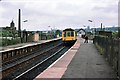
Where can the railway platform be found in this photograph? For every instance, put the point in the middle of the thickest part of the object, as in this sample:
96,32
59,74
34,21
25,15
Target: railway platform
25,44
81,62
16,59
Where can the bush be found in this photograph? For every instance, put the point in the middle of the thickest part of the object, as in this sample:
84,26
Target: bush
114,34
6,42
119,33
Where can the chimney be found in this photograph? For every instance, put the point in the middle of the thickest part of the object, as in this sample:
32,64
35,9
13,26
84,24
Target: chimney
19,23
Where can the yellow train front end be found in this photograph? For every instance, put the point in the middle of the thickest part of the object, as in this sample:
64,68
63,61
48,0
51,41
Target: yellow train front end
68,36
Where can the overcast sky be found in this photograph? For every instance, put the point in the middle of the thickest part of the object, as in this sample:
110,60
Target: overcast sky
59,14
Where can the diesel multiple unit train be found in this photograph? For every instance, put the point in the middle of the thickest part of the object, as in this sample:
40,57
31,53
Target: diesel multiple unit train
69,36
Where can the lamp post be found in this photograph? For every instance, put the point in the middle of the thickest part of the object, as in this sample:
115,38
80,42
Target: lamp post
25,21
25,34
93,25
47,35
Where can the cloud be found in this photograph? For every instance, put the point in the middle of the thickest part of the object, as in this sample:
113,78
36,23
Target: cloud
107,9
58,13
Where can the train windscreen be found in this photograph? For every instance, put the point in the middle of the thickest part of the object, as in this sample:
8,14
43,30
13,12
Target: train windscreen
72,34
68,34
64,34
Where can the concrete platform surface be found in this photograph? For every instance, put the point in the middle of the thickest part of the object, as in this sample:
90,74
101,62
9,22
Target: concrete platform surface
88,63
81,62
58,68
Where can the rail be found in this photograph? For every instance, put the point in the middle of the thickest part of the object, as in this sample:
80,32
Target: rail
17,64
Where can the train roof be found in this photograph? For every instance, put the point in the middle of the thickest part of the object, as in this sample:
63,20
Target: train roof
68,29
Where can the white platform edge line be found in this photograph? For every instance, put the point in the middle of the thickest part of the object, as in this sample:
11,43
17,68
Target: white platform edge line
60,57
27,45
56,60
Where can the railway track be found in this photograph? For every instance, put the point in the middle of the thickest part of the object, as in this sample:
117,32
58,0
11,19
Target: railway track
16,66
20,68
41,66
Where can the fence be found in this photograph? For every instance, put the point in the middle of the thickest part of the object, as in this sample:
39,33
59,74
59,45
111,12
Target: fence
110,49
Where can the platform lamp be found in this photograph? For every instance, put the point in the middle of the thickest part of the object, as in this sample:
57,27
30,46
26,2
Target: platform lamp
93,26
25,32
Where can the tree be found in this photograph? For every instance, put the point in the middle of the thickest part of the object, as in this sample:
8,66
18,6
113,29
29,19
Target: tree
119,33
57,32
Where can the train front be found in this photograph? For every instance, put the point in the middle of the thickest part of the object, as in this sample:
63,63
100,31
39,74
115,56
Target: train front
68,36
